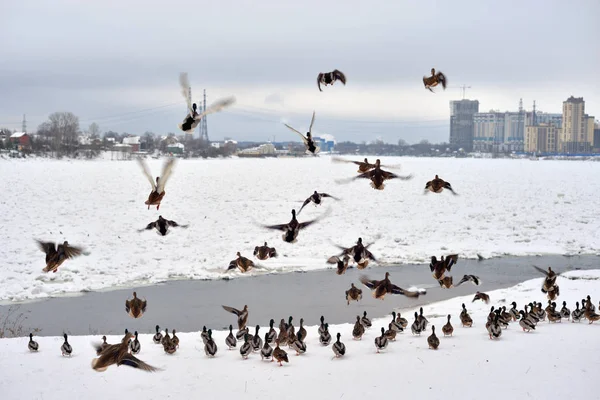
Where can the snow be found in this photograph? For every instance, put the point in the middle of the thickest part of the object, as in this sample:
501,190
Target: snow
557,360
504,207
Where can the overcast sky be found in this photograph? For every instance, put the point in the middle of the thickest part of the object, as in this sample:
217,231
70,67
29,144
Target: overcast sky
117,62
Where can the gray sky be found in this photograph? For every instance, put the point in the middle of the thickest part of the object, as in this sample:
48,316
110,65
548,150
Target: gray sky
117,62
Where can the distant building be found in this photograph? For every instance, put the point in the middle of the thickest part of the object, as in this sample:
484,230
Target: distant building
596,138
134,142
514,131
554,119
20,138
176,148
264,150
541,138
488,130
461,123
574,137
326,143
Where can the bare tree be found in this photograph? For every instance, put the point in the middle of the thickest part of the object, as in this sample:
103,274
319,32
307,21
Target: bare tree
402,143
94,130
65,128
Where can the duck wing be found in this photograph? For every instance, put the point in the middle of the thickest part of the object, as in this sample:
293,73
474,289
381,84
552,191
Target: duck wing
319,77
391,175
451,260
146,172
341,160
474,279
365,175
47,247
312,221
339,75
304,204
433,263
398,290
328,195
167,171
232,310
69,251
185,90
216,107
312,121
304,139
135,362
333,260
148,227
540,270
371,284
442,79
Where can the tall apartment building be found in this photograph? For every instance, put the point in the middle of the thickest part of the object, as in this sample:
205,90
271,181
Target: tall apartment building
461,123
499,131
575,136
541,138
544,118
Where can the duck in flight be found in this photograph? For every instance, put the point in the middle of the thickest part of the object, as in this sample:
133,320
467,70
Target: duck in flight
292,228
311,147
158,189
56,255
434,80
316,198
162,225
329,78
377,177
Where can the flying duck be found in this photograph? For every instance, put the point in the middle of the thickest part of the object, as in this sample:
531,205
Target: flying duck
316,198
385,286
264,252
158,187
377,177
329,78
311,147
162,225
242,315
437,185
292,228
434,80
135,307
55,256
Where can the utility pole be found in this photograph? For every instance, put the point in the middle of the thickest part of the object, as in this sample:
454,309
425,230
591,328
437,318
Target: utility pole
24,126
203,126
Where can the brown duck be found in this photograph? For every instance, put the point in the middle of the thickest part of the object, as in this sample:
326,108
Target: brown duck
359,253
481,296
135,307
385,286
437,185
292,228
55,256
363,166
242,263
377,176
439,268
118,354
162,225
158,187
242,315
434,80
264,252
342,264
279,354
353,293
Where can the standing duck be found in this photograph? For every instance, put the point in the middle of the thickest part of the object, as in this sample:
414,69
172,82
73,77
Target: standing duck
437,185
162,225
353,293
267,350
257,341
365,320
242,315
422,320
434,80
135,307
204,334
135,345
264,252
564,311
381,342
400,320
381,288
577,313
292,228
302,330
242,263
339,349
329,78
465,318
377,176
66,348
416,326
157,338
325,337
298,344
311,147
316,198
433,340
342,264
514,313
33,345
102,346
495,330
118,354
210,347
230,340
158,189
447,329
481,296
526,323
279,354
175,339
395,325
271,335
358,330
322,326
390,334
55,256
246,348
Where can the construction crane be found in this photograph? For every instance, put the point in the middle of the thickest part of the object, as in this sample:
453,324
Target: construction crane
463,88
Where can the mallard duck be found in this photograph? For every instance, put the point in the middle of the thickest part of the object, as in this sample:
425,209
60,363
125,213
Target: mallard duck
271,335
292,228
193,118
302,330
358,330
162,225
342,264
434,80
158,188
494,329
210,347
526,323
311,147
264,252
390,334
266,351
377,176
242,263
359,253
481,296
540,311
422,320
157,338
403,322
230,340
514,313
175,339
363,166
465,318
204,334
322,326
365,321
168,345
532,314
316,198
34,346
291,330
577,313
55,256
135,345
395,325
298,344
239,335
66,348
385,286
279,354
353,293
553,315
325,337
102,346
439,268
246,348
381,342
257,341
329,78
118,354
283,336
564,311
339,349
589,314
447,329
433,340
135,307
166,338
416,326
242,315
437,185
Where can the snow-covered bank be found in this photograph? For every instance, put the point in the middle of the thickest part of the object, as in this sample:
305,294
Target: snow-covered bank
505,207
557,360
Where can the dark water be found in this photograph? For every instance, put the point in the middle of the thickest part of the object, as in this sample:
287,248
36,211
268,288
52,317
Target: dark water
188,305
